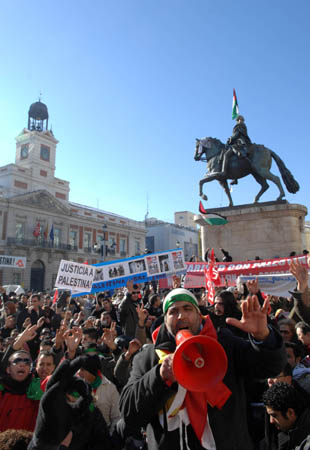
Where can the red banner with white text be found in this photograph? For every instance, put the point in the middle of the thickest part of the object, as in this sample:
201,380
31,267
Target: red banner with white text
229,271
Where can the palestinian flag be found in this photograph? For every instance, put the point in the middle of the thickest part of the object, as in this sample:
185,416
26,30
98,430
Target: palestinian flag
235,107
212,218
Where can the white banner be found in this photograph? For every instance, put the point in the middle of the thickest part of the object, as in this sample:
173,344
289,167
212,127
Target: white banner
16,262
277,284
75,276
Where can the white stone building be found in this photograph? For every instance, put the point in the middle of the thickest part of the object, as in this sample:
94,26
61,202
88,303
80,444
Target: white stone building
162,236
38,221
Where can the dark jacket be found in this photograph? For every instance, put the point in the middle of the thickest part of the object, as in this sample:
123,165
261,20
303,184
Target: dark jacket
128,316
295,436
146,393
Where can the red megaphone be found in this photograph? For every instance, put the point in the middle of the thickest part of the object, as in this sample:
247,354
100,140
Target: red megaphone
199,362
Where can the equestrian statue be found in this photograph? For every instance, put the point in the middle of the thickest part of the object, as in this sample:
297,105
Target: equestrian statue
238,158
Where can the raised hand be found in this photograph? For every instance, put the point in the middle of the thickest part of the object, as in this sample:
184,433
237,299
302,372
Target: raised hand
27,335
108,336
41,322
59,338
254,318
252,286
176,282
142,315
300,272
72,339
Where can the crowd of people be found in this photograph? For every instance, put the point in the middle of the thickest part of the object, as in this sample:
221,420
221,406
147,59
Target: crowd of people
96,372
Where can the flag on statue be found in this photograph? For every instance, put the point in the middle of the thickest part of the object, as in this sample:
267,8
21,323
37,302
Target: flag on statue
235,107
212,218
37,230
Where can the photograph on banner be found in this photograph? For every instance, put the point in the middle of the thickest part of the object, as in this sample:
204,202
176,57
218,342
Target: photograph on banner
75,276
152,264
178,260
116,271
165,262
137,266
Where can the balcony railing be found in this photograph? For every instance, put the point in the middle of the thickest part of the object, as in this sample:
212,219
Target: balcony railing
20,242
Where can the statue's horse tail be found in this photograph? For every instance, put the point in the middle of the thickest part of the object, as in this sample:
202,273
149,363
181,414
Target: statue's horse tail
289,181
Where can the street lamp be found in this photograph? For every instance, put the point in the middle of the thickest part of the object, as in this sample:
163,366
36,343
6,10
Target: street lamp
178,244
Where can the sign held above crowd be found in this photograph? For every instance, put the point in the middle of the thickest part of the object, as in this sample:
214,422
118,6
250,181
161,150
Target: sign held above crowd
83,278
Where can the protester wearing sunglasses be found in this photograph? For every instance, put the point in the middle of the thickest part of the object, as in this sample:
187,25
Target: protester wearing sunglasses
20,392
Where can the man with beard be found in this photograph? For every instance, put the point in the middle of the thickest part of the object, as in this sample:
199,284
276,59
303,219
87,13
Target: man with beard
177,418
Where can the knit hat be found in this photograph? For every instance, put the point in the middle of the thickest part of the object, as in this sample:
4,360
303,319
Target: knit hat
179,295
91,363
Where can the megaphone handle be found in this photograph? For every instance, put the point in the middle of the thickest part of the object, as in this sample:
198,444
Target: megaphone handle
194,356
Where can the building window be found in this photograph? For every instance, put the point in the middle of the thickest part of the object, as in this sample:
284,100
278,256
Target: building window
20,184
122,246
87,241
20,230
57,236
137,247
60,195
24,152
45,153
73,238
54,276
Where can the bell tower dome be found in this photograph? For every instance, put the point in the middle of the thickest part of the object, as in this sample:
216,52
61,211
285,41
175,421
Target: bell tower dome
38,117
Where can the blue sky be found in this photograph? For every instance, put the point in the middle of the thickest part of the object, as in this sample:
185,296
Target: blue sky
130,84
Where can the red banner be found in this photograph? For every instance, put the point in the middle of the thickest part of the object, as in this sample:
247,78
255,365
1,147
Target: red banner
229,271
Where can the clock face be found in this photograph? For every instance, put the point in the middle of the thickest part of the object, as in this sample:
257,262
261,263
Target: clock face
24,152
45,153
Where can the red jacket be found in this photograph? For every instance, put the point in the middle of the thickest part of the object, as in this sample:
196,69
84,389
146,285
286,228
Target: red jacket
17,411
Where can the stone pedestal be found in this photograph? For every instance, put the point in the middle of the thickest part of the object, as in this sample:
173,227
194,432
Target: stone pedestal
267,230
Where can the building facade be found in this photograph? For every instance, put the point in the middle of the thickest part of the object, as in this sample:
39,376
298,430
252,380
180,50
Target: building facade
38,221
163,236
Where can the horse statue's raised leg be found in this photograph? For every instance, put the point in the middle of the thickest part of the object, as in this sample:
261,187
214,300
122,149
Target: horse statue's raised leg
224,185
210,177
201,183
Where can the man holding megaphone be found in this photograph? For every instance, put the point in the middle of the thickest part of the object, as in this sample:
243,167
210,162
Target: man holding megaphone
187,389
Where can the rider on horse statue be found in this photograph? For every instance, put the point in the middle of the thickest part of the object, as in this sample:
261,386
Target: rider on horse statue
238,144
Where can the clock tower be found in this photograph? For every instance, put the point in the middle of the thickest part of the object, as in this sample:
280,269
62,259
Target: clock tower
36,153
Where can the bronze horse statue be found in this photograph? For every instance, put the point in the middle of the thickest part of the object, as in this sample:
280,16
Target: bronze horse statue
257,164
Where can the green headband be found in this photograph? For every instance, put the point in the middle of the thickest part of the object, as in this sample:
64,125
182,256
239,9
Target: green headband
180,298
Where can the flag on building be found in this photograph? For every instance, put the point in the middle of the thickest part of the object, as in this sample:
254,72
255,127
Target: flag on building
212,218
235,107
37,230
45,234
52,234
